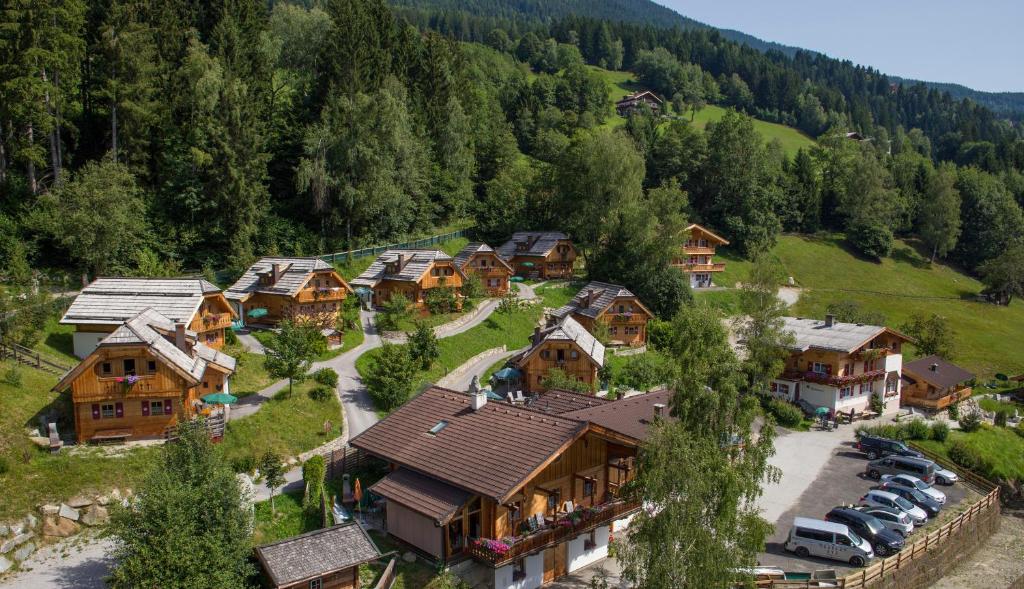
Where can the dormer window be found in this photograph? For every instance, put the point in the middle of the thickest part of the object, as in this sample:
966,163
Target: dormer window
522,246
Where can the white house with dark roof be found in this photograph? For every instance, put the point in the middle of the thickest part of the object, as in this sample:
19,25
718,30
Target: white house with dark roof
840,366
411,273
107,303
277,288
540,254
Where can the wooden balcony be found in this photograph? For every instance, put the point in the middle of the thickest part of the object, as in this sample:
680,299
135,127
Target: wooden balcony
693,250
214,321
497,553
833,380
628,318
490,271
320,295
938,403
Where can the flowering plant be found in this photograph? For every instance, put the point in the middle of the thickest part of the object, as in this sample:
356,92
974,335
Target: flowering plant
495,547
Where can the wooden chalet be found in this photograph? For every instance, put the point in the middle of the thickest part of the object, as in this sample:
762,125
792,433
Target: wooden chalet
142,379
107,303
301,289
411,273
480,260
530,495
697,252
934,383
322,559
840,366
631,103
565,345
540,254
613,306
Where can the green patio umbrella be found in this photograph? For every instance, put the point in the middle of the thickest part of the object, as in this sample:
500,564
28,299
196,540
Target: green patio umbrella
257,313
821,411
527,264
219,399
508,373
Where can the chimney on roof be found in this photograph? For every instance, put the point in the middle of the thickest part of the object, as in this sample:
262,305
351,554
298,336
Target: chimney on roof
934,368
401,262
478,398
179,337
659,409
592,297
536,336
830,320
275,272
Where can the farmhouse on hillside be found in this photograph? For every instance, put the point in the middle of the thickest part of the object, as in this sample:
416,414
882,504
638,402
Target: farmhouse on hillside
539,254
697,252
934,383
632,103
613,306
411,273
107,303
480,260
541,504
840,366
566,346
143,378
328,558
300,289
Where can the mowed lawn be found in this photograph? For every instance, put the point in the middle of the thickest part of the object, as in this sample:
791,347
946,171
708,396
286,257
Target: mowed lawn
622,83
999,444
987,337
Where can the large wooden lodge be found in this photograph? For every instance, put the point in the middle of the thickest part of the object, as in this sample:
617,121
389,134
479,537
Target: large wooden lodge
479,260
410,273
540,254
696,256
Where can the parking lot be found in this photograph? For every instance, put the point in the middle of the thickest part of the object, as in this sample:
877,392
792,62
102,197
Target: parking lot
840,480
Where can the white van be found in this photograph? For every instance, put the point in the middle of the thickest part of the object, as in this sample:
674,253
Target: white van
815,537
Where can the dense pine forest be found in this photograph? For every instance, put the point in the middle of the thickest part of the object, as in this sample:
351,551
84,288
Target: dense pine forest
145,137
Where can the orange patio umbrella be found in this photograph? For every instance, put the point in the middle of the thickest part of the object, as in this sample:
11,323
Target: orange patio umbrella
358,494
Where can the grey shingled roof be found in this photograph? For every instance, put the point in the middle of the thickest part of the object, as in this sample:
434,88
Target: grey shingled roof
422,494
544,242
466,254
568,329
215,357
415,263
112,301
297,272
317,553
841,337
606,294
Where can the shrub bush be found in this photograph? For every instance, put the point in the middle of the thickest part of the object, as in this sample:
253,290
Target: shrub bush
970,458
877,404
786,414
243,464
327,377
970,421
321,393
917,430
940,431
12,377
1000,418
954,411
229,337
440,300
891,431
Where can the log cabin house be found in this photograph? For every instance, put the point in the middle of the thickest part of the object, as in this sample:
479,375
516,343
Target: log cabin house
301,289
328,558
634,102
480,260
565,345
839,366
540,254
411,273
107,303
697,252
612,305
934,383
142,379
528,495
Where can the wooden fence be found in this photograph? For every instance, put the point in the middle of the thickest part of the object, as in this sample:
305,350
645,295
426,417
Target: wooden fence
31,358
346,460
387,578
414,244
931,542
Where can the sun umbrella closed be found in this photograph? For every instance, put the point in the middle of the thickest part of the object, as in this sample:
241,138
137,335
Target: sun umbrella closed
358,494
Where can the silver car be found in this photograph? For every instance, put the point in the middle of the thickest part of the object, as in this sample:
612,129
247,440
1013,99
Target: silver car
915,483
887,499
892,518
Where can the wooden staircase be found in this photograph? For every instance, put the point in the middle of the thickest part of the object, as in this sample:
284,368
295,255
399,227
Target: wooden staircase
32,358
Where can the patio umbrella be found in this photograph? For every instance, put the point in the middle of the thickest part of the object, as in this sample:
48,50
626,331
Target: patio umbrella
358,494
516,279
507,373
219,399
821,411
527,264
257,313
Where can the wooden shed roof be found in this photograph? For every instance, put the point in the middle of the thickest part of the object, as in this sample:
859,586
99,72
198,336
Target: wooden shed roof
316,554
112,301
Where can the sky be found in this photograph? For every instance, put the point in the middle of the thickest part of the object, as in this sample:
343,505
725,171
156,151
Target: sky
979,44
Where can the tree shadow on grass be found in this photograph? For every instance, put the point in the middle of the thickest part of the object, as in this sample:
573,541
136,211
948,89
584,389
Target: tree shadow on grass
62,342
910,255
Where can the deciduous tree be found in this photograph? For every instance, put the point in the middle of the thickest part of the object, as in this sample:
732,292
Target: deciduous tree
291,350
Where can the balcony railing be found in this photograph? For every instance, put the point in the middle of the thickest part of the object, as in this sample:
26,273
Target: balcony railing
489,271
687,267
694,250
939,403
215,321
832,380
314,295
498,552
636,318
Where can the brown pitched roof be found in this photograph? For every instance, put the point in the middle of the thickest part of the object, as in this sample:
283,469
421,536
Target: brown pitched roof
945,375
317,553
558,402
491,451
422,494
629,417
709,233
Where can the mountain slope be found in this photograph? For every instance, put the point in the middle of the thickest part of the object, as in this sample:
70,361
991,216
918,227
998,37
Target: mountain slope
1004,103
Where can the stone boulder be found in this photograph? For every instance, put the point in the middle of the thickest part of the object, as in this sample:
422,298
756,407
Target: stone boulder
95,515
5,565
24,552
31,522
68,512
49,509
16,528
4,530
12,543
79,501
103,500
409,557
58,527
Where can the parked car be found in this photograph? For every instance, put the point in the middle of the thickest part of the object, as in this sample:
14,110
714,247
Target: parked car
944,476
883,541
892,518
917,467
914,496
813,537
910,481
876,447
886,499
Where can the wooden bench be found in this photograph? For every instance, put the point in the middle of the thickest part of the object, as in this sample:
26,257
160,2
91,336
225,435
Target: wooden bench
111,436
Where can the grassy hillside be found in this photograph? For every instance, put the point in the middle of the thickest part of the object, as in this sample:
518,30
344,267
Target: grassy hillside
622,83
986,336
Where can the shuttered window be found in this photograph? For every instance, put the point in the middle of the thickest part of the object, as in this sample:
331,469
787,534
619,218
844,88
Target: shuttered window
167,407
145,408
95,411
118,409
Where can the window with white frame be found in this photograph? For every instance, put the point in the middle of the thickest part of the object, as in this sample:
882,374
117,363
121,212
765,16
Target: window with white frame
782,389
845,392
820,368
316,584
